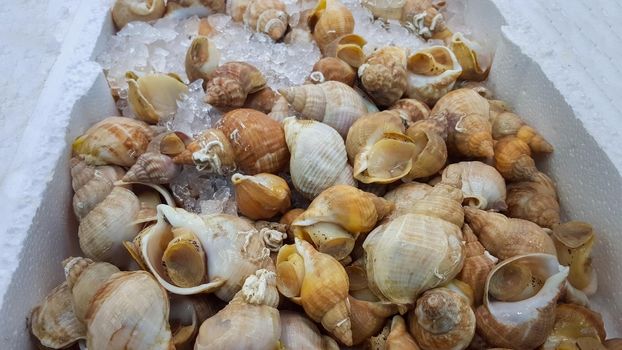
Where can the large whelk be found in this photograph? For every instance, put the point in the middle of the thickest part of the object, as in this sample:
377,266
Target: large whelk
520,299
426,241
319,283
337,217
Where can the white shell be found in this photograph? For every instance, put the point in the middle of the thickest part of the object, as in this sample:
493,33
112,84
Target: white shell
318,156
482,185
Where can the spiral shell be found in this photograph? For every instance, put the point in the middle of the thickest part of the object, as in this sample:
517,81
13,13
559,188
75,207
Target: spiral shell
258,141
348,48
318,157
84,278
236,9
482,185
430,152
505,237
404,197
261,196
467,116
202,58
53,321
249,321
380,151
125,11
332,68
509,124
330,20
211,152
574,241
534,200
575,325
267,16
368,318
262,100
230,84
130,310
399,338
298,332
473,58
153,166
319,283
383,75
425,19
432,73
91,184
418,251
337,216
442,319
477,264
414,109
331,102
114,141
153,97
513,159
525,323
233,248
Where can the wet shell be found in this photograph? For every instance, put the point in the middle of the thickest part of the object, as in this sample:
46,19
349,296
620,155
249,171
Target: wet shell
153,97
298,332
510,124
504,237
513,159
380,150
467,116
526,323
153,166
473,57
84,278
574,241
202,58
383,75
53,321
129,311
281,110
425,19
331,102
332,68
348,48
233,248
262,100
125,11
477,264
114,140
368,318
319,283
404,197
482,185
230,84
337,216
427,241
432,73
442,319
211,152
430,153
267,16
186,316
91,184
236,9
257,141
261,196
318,157
103,230
399,338
249,321
330,20
415,109
534,200
184,259
574,325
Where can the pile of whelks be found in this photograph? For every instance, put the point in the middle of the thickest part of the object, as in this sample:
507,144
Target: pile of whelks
452,239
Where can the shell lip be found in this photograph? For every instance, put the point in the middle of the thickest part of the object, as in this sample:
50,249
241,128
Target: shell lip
168,217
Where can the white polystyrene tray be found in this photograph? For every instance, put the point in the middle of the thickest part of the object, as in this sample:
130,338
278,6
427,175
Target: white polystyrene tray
37,194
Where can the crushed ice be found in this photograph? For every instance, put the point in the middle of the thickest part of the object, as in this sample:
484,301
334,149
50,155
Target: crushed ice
160,47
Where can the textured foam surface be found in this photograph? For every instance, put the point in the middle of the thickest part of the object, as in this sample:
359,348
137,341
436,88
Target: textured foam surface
549,77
